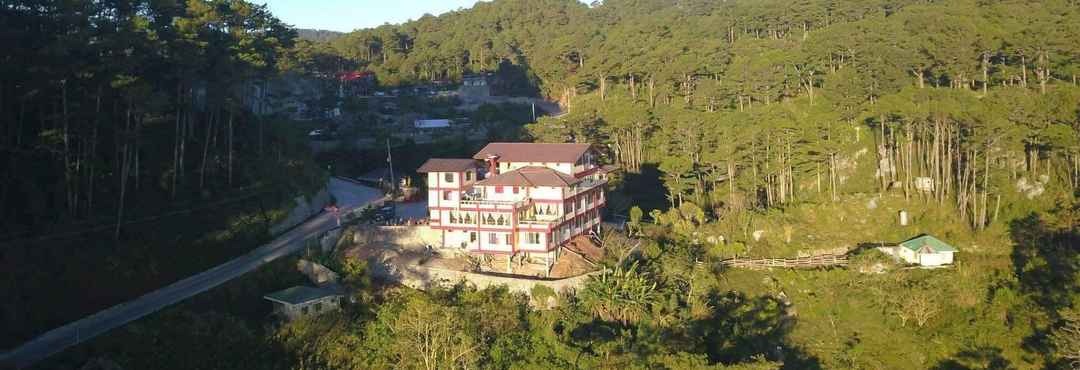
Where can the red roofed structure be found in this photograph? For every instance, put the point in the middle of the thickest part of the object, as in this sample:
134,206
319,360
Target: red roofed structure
354,75
531,201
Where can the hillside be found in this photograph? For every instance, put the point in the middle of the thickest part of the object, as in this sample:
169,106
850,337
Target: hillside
131,155
761,128
317,35
810,124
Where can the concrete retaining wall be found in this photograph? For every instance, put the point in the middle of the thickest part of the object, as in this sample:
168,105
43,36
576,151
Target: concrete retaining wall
318,274
303,209
423,277
415,235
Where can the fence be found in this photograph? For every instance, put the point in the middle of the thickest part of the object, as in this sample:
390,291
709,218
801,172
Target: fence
819,261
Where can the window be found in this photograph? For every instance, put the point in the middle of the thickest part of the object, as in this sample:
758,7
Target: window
472,236
446,195
506,238
498,190
533,238
448,177
515,189
493,238
468,175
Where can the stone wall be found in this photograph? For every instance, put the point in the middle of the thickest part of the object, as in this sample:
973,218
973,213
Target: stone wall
415,235
423,277
303,209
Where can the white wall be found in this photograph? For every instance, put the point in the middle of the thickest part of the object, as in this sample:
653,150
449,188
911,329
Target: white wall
501,246
454,239
561,167
507,194
546,192
935,259
328,304
523,241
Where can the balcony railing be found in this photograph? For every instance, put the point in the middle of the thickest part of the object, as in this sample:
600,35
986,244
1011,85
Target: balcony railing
497,204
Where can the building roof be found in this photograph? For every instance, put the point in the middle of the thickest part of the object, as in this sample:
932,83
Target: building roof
935,244
534,152
431,123
300,294
531,176
447,165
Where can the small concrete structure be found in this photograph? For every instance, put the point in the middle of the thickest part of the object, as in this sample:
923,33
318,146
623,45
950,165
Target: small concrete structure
300,301
924,184
475,86
924,250
318,274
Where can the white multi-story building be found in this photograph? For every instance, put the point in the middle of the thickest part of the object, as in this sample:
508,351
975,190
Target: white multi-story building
516,199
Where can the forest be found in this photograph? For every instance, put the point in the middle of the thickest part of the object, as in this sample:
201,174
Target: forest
812,121
131,151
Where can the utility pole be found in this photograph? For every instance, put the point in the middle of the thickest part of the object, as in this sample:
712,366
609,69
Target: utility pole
390,163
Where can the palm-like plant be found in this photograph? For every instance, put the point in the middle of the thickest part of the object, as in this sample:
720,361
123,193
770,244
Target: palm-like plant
622,295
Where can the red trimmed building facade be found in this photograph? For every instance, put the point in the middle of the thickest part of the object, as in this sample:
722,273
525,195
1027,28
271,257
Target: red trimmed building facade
516,199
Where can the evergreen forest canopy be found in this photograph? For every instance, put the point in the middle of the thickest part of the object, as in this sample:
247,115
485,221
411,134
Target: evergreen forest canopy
102,100
130,152
726,115
816,120
776,95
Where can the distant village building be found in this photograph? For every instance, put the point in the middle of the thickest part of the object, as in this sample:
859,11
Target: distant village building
477,85
300,301
923,250
528,200
355,83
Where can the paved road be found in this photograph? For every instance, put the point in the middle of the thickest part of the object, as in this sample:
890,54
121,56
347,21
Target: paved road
349,195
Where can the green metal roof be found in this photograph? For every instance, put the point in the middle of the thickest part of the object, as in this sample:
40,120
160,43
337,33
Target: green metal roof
919,242
300,294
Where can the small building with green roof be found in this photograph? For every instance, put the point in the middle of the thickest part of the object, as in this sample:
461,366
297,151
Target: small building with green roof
925,250
299,301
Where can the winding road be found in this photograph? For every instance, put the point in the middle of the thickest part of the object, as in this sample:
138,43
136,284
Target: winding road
349,196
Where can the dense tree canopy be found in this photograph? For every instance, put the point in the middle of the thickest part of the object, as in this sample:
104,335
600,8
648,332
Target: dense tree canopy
100,95
775,97
727,116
